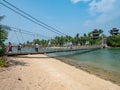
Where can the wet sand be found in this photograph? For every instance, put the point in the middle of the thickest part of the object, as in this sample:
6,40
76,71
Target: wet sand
114,77
44,73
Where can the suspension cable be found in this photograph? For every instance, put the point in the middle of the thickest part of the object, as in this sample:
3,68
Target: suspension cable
25,31
32,17
17,36
22,36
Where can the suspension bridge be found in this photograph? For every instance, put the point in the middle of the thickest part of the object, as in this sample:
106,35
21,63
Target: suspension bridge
20,33
48,51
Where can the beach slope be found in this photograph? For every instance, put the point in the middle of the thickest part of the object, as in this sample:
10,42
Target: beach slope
44,73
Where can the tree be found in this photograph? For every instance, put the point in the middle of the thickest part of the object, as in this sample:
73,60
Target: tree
3,37
68,39
76,39
113,41
36,41
3,33
28,44
44,43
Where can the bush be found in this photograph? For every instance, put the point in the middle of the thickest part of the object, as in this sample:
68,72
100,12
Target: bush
113,41
3,61
1,51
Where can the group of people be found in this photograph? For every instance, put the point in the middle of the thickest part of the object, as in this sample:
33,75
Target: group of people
9,47
19,47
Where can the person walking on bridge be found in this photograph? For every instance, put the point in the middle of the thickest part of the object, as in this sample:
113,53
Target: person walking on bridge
9,48
36,47
19,48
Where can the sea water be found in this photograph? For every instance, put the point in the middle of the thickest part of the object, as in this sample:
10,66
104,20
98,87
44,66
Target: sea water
107,59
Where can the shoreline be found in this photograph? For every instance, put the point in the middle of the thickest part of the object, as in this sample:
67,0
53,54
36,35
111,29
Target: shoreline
45,73
104,74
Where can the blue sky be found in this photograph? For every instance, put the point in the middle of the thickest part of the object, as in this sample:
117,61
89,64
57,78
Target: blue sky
67,16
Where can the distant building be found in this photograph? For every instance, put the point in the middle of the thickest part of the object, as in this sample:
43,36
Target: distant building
114,31
95,34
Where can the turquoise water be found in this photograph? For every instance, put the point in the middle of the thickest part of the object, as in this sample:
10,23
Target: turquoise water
107,59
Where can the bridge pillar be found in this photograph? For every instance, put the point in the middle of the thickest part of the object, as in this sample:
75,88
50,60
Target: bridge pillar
104,42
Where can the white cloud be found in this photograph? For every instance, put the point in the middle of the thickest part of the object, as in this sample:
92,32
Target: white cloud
103,11
105,15
76,1
102,6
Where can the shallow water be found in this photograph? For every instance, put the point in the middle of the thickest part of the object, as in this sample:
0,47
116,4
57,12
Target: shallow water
104,63
107,59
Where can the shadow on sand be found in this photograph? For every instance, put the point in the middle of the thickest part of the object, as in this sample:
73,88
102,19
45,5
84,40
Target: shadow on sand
16,63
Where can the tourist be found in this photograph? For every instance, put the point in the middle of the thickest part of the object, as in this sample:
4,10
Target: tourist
19,48
10,47
36,47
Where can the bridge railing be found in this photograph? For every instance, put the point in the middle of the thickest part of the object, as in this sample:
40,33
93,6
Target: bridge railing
31,50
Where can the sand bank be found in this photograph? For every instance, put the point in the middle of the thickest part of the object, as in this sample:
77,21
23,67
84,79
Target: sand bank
49,74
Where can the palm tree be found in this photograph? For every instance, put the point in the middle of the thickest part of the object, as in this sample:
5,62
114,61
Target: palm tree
77,39
68,39
44,43
36,41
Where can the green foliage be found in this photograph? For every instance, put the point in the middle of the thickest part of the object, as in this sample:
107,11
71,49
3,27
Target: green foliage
85,39
44,43
3,33
65,40
113,41
2,62
36,41
1,51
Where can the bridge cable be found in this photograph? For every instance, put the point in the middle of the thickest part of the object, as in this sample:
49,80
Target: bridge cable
46,27
32,17
26,31
28,18
30,33
22,36
17,36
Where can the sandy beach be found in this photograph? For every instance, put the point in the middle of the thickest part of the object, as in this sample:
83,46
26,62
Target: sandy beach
44,73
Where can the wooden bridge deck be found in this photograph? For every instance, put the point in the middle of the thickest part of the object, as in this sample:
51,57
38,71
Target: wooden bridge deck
52,51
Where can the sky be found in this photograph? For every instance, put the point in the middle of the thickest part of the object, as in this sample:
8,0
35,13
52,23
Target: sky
68,16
